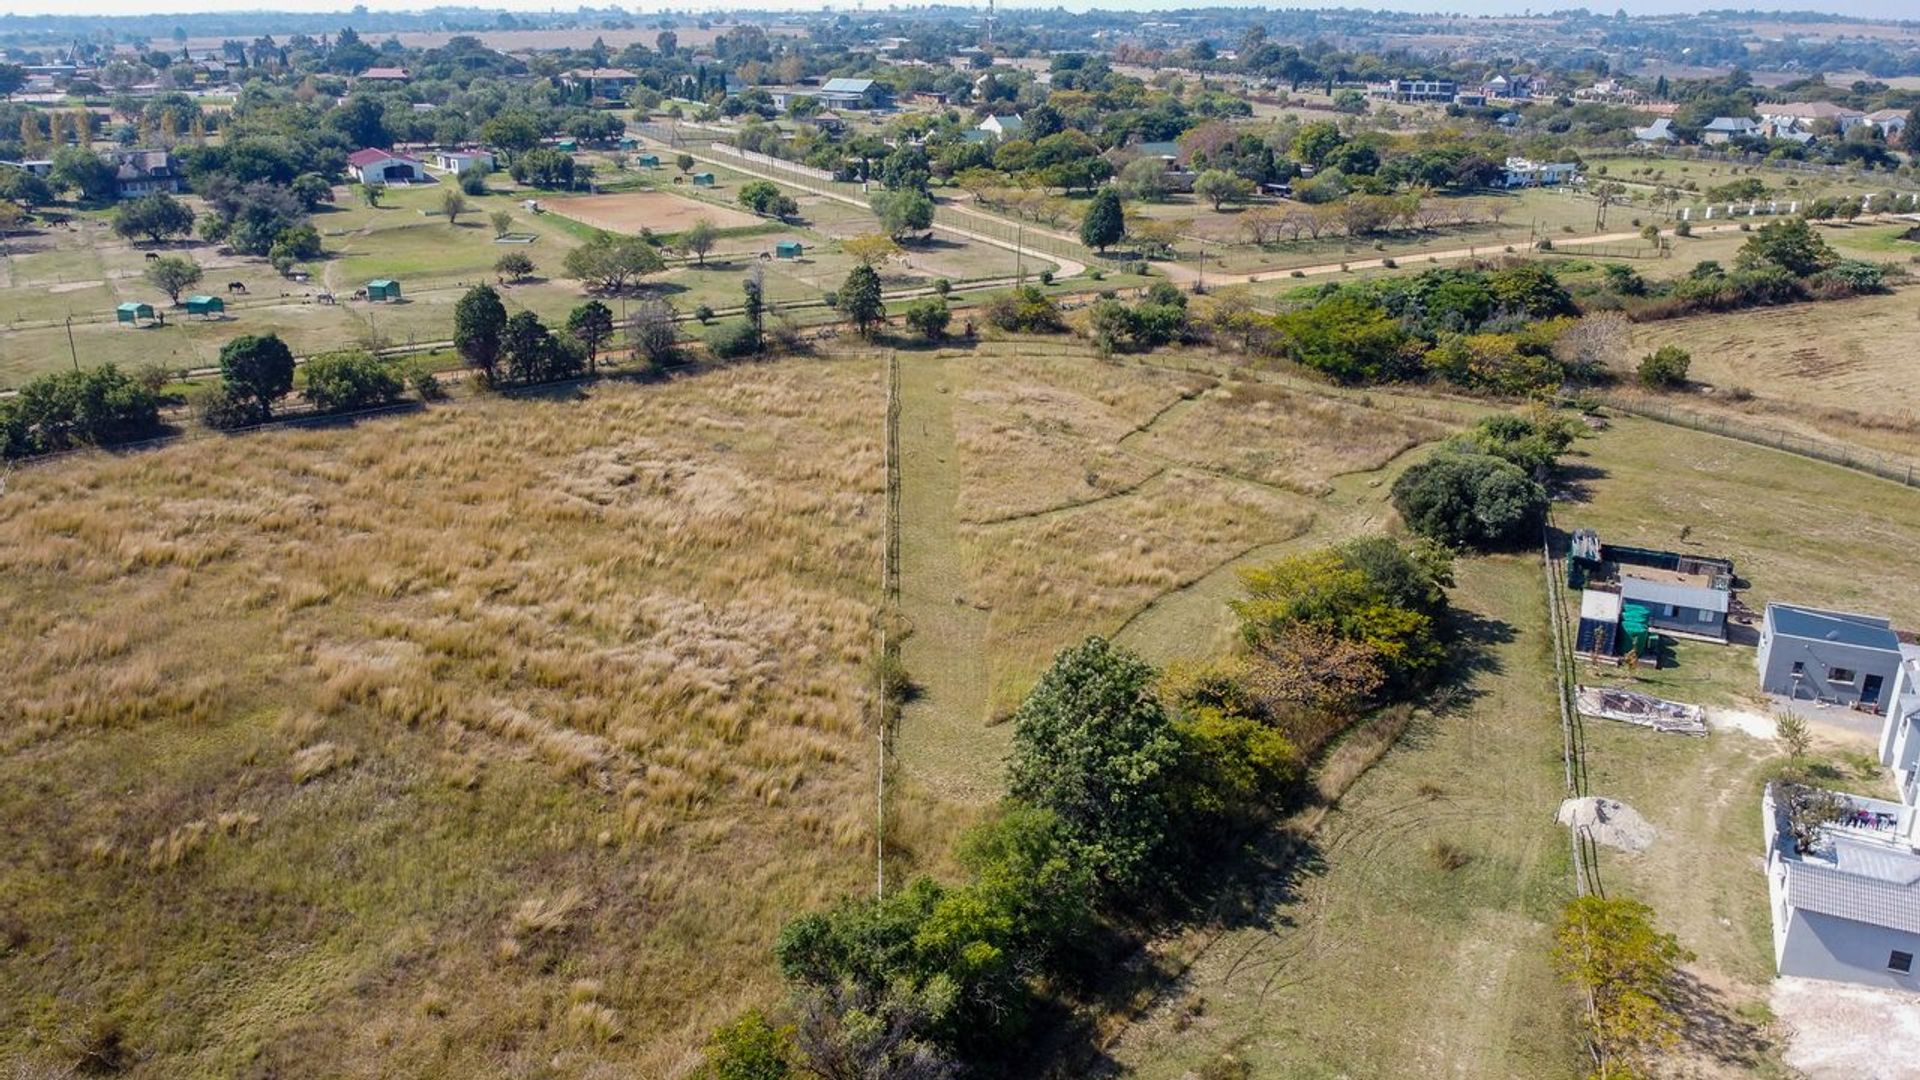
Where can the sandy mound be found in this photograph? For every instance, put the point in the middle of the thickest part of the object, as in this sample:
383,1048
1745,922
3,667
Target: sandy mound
1611,822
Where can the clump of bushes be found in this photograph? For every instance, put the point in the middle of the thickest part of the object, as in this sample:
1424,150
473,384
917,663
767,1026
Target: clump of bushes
1471,500
97,407
1026,310
1665,368
353,379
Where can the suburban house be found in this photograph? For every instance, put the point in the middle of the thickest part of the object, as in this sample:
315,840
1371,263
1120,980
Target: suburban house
1526,172
1891,122
854,94
609,84
1802,115
461,162
1003,127
1629,593
144,172
1660,131
1510,87
827,122
386,75
1408,90
371,166
1900,735
1722,128
1831,656
1848,907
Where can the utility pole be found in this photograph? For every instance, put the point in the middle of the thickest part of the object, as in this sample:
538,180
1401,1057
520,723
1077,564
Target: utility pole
75,353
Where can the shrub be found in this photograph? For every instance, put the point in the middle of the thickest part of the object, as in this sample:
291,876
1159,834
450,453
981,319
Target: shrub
1026,309
942,286
703,313
731,340
219,408
354,379
1665,367
96,407
1046,277
1471,500
930,317
1684,228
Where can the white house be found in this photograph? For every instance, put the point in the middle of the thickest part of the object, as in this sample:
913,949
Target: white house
1003,127
1802,115
1526,172
1848,908
461,162
1900,734
1891,122
372,166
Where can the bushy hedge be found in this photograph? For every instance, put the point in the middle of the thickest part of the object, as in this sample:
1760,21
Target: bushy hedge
97,407
1025,310
353,379
1471,500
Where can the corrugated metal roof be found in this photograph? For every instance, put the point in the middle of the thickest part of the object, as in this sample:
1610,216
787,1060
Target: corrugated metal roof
1873,900
1687,596
1813,624
847,86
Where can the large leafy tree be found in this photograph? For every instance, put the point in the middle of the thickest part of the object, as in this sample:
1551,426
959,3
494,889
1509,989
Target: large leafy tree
902,212
256,370
173,275
1791,245
591,324
1220,187
80,169
1092,744
610,263
156,217
1610,950
1105,221
700,238
860,299
478,319
1471,500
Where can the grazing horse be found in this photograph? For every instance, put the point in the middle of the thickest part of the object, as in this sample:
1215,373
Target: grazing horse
153,254
236,286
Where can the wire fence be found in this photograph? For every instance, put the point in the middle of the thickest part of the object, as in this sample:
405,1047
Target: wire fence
1904,471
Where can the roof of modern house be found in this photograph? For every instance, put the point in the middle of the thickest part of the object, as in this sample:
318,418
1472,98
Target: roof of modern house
386,73
601,73
371,154
1809,110
1846,628
1880,116
1678,593
1731,123
1004,123
1852,877
1659,129
846,86
142,164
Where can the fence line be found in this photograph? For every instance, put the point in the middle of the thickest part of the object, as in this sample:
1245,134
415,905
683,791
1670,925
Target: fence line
888,665
1886,467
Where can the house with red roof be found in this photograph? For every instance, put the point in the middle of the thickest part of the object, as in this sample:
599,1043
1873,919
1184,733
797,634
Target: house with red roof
374,167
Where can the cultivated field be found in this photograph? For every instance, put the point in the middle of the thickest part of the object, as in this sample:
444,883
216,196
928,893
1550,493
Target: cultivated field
496,739
662,211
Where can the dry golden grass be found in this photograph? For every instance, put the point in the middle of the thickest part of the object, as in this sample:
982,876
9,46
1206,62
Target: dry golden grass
1284,437
304,728
1036,429
1047,581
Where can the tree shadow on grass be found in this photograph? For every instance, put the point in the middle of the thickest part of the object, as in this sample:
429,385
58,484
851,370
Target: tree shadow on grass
1573,482
1711,1028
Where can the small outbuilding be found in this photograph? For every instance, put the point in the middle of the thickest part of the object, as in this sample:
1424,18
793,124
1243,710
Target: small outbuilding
207,306
567,145
133,311
787,249
628,142
649,161
383,289
703,179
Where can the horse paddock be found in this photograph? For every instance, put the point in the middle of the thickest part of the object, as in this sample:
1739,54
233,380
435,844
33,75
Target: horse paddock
661,211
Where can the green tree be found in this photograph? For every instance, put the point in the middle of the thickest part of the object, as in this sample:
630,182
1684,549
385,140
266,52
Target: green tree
173,275
350,379
1105,221
502,223
591,324
453,203
513,131
750,1048
255,371
78,168
478,320
1791,245
156,217
765,197
860,299
1471,500
312,189
700,238
1349,338
930,317
1608,948
1092,744
1665,368
902,212
609,263
1315,141
1220,187
514,265
683,162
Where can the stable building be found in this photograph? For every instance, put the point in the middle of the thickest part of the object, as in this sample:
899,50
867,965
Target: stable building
374,167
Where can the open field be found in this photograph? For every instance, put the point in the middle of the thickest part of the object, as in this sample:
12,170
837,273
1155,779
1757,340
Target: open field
493,739
662,211
1372,957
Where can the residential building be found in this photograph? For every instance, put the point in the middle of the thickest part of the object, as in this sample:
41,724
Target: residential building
607,84
1410,90
1630,593
1660,131
1470,99
386,75
1890,122
41,167
1003,127
1838,657
1722,128
854,94
1900,735
1526,172
1848,907
1612,90
145,172
1509,87
462,162
372,166
1803,115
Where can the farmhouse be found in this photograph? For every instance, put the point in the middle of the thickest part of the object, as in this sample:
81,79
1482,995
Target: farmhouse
144,172
372,167
1807,654
1847,908
1722,128
1526,172
1003,127
610,84
462,162
854,94
1803,115
1628,593
397,75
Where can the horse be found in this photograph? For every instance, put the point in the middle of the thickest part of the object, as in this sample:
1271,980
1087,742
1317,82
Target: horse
236,286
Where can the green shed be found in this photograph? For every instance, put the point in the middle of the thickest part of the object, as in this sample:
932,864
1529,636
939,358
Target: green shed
650,161
703,179
568,145
383,289
133,311
205,305
628,142
787,249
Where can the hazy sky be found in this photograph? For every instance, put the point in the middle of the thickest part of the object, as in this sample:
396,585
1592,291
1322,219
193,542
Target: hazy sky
1858,8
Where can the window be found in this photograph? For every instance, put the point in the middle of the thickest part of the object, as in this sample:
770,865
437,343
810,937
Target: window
1705,615
1799,668
1669,612
1901,962
1840,675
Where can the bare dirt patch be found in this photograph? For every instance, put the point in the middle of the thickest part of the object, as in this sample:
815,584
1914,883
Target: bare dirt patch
1855,1032
661,211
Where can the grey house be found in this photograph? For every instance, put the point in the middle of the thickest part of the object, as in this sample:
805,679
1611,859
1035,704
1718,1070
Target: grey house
1849,908
1900,735
1834,656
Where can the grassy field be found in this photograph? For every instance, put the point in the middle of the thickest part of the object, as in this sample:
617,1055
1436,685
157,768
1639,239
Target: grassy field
495,739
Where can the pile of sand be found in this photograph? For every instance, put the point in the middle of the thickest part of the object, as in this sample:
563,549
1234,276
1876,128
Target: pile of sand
1610,821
